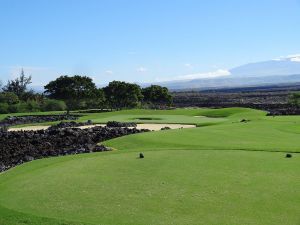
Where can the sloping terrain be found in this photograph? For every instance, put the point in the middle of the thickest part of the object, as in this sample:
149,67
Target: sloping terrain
231,169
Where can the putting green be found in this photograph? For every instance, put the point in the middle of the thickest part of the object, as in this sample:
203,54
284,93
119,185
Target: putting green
226,173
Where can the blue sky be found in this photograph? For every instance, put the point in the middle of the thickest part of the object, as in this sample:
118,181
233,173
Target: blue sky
142,41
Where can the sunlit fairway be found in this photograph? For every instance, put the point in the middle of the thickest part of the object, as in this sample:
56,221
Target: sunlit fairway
224,172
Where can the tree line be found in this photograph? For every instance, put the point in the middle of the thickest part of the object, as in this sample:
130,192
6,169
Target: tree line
80,92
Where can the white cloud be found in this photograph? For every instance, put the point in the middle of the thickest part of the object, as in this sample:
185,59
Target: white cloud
141,69
217,73
295,59
109,72
292,58
188,65
213,74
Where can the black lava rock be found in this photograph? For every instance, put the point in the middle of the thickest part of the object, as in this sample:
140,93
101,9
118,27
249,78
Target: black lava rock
17,147
17,120
288,155
120,124
165,128
70,124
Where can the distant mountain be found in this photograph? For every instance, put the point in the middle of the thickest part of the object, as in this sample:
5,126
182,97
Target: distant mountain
230,82
277,67
278,71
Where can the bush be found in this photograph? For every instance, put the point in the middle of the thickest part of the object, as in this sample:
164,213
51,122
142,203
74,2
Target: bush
13,108
9,98
29,106
4,108
22,107
53,105
32,106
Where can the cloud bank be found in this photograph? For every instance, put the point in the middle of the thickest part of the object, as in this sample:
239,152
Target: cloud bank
213,74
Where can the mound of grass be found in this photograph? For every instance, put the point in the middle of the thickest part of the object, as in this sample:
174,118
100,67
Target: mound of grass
224,112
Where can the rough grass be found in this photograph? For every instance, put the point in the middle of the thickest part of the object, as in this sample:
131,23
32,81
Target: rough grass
226,173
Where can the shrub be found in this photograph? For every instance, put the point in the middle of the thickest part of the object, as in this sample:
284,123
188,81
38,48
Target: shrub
13,108
53,105
29,106
22,107
9,98
4,108
32,106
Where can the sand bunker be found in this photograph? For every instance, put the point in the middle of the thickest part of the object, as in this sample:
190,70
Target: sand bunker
28,128
139,126
159,126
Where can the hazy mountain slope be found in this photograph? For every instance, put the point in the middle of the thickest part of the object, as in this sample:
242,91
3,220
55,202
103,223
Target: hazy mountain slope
278,71
268,68
230,81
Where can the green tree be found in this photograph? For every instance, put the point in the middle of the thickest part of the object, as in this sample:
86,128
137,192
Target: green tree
98,102
157,95
72,90
18,85
122,95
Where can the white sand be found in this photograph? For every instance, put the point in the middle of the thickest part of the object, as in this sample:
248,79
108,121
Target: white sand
139,126
28,128
159,126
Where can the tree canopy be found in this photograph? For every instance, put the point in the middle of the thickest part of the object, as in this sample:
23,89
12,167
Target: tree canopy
71,89
120,94
19,85
157,95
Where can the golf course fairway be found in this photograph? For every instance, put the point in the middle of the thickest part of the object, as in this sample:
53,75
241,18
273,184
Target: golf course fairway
230,170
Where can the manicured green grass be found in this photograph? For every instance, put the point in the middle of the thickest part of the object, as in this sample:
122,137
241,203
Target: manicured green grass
184,116
256,135
226,173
